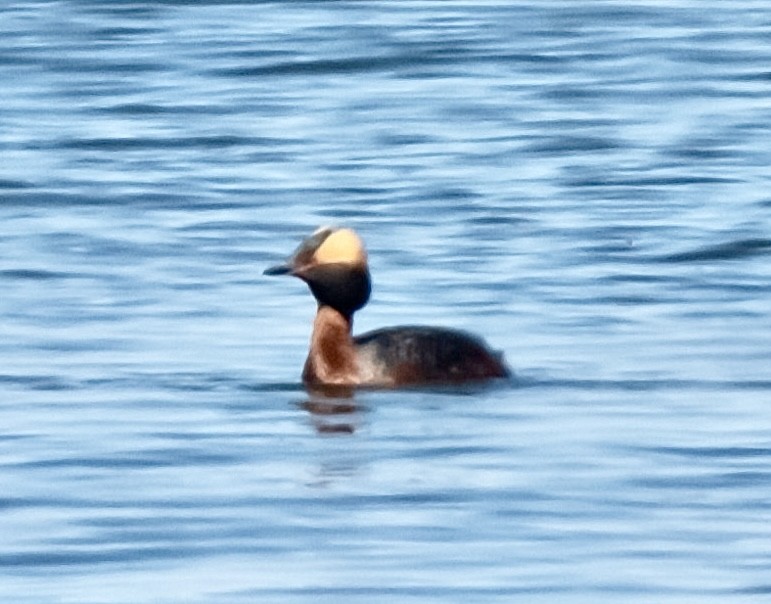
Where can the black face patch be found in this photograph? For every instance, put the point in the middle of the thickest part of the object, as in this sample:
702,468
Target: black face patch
344,287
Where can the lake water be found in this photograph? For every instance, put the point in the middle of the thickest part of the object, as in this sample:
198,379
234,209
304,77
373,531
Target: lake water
585,184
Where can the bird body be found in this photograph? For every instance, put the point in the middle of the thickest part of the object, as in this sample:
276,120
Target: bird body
333,262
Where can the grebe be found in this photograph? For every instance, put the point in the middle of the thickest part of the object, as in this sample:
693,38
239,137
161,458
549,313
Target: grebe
333,262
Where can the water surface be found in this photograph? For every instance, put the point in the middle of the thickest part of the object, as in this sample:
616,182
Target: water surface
584,184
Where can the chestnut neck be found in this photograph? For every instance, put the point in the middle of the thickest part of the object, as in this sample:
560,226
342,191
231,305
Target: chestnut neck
332,355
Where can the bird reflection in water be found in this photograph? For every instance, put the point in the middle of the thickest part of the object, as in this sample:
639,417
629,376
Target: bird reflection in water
333,409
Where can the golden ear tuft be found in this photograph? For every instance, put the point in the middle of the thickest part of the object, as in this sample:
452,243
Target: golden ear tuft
343,246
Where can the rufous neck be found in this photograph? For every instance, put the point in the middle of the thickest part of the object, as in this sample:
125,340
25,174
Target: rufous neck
332,356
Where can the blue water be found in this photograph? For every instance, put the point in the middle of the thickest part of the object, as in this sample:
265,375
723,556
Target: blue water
585,184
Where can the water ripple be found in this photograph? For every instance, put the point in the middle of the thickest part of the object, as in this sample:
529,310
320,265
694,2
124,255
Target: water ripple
584,184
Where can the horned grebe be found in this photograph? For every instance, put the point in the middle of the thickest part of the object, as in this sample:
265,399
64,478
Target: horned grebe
333,262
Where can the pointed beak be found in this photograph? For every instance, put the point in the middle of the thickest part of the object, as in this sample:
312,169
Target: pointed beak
279,269
301,257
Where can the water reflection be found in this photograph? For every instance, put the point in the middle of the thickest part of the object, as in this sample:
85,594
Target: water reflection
333,409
